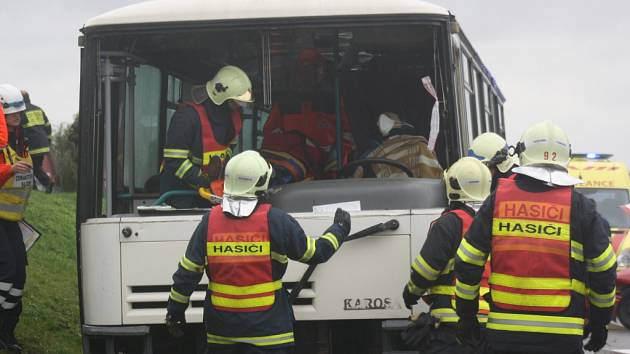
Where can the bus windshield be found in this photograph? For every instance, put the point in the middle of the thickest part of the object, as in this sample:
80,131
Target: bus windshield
609,203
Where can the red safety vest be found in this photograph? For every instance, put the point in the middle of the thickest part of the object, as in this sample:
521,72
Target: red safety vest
212,151
239,262
531,249
484,307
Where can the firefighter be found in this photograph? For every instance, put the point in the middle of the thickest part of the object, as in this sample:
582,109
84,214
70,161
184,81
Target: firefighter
244,246
200,134
16,180
550,253
467,180
37,132
494,151
300,134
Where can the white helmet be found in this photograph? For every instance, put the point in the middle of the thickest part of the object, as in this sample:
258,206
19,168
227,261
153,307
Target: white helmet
467,180
11,99
247,175
493,150
544,144
230,82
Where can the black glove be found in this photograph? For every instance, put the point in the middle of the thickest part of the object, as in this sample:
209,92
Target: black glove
469,332
598,336
409,298
342,218
418,332
174,323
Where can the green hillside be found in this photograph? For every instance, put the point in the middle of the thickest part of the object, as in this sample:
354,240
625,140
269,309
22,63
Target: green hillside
50,321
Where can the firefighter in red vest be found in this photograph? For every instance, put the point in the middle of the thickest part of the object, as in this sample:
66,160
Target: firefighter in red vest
244,246
550,253
200,134
467,180
494,151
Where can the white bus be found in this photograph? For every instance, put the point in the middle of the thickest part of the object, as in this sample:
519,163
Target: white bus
139,62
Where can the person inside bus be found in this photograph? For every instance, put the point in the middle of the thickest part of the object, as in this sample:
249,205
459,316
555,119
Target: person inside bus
300,135
200,134
401,144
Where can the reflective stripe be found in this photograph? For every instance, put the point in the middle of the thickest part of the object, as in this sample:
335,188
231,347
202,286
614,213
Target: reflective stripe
34,118
530,283
465,291
311,247
445,315
602,300
415,289
442,290
176,153
39,151
16,192
332,239
247,303
424,269
449,266
179,297
577,251
196,160
191,266
8,305
5,286
281,258
578,287
12,208
603,262
16,292
258,341
469,254
221,154
535,323
532,300
245,290
2,298
183,168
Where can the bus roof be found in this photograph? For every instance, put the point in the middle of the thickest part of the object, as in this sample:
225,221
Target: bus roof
170,11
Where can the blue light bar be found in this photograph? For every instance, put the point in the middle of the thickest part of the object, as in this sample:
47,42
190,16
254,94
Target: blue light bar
592,155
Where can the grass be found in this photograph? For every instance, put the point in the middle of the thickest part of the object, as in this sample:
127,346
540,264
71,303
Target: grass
50,319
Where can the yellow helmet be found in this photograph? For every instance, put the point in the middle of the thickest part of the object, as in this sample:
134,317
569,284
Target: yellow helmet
544,144
467,180
247,175
493,150
229,83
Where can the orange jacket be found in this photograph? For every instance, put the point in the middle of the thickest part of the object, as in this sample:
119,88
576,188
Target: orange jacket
5,169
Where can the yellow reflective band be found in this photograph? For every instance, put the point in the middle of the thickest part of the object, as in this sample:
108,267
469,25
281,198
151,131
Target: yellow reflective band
280,258
39,151
260,301
332,239
530,283
469,254
175,296
190,265
311,247
424,269
228,249
450,266
196,160
176,153
465,291
602,300
577,251
603,262
414,289
245,290
530,299
221,154
275,339
535,323
579,287
530,228
442,290
183,168
445,315
34,118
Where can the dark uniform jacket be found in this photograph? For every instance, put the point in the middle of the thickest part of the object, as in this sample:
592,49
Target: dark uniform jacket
184,134
597,271
288,241
36,129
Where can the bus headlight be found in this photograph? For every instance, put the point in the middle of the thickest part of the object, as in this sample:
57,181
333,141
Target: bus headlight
623,260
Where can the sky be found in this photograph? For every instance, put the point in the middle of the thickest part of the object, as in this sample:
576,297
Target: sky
561,60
